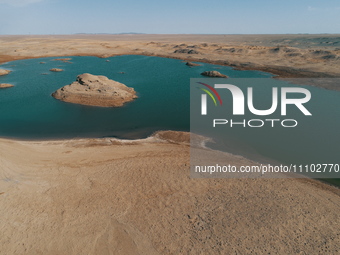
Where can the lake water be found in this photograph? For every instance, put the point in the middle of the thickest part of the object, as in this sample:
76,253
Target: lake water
28,111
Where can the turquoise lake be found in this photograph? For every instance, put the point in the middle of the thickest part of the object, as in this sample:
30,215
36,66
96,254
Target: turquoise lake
28,111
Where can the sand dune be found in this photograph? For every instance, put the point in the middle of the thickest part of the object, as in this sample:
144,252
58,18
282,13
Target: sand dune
102,196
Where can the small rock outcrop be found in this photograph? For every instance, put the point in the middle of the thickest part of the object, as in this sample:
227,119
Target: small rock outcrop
65,60
4,72
96,91
5,85
187,51
191,64
192,46
62,59
214,74
56,70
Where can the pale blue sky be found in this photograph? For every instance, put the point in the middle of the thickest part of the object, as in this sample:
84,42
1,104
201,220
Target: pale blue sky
169,17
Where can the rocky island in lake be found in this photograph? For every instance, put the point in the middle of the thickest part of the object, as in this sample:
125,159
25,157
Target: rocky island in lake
4,72
96,91
214,74
5,85
56,70
191,64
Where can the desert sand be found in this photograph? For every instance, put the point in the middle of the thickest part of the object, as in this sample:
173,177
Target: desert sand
289,56
105,196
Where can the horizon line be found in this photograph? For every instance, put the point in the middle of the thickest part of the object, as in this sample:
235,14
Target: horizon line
135,33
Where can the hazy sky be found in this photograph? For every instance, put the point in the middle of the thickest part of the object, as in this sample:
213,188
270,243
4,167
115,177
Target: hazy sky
169,16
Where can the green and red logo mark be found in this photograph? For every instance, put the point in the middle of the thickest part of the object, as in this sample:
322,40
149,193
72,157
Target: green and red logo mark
212,93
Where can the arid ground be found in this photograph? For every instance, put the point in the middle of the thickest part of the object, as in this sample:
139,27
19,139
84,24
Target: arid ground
289,56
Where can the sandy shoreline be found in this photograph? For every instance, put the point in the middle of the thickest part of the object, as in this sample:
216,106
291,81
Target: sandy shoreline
95,196
288,56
